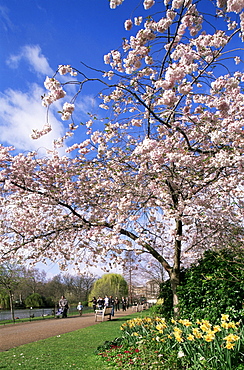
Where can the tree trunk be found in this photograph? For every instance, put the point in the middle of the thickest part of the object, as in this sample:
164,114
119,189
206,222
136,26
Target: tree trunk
175,281
175,272
11,305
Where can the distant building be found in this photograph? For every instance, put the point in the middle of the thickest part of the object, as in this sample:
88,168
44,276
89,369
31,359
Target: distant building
149,292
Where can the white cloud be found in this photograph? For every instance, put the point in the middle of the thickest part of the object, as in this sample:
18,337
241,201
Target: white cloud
4,18
20,113
86,104
33,55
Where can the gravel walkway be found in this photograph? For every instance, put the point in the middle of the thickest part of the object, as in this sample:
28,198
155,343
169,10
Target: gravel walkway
14,335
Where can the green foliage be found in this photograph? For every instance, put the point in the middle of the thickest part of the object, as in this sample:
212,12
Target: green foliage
110,284
48,302
107,345
213,286
166,308
34,300
4,301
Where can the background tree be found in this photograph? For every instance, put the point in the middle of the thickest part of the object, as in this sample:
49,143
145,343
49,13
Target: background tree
78,287
109,284
35,300
10,276
55,288
131,273
32,281
164,173
4,300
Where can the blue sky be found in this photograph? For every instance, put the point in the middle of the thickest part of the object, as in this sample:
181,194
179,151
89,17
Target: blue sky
35,37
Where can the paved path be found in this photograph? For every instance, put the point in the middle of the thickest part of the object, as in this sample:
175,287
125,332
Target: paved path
14,335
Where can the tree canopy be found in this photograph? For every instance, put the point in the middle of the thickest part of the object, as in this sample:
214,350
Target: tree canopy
110,285
162,171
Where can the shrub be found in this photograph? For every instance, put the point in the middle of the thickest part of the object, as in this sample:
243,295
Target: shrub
166,308
212,286
215,284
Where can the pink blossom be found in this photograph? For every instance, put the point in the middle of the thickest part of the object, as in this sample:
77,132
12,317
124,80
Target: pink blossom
176,4
137,21
128,24
148,60
115,3
107,58
136,122
185,88
67,107
168,98
51,83
64,69
237,60
67,111
235,6
148,4
221,3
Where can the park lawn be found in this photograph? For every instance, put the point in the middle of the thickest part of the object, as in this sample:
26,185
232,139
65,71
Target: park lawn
73,350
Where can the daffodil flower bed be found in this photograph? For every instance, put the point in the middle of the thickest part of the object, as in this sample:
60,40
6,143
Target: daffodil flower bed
179,344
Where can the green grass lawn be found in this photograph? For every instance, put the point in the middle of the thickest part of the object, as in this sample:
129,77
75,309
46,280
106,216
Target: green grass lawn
73,350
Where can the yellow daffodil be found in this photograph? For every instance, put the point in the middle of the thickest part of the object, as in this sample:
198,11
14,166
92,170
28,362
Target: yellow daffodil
177,330
179,338
205,327
209,337
185,322
230,345
224,317
224,325
196,333
231,338
216,328
190,337
232,325
160,328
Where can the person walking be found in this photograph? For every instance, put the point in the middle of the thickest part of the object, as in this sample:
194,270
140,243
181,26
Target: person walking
111,304
116,302
106,301
80,308
123,302
64,306
94,303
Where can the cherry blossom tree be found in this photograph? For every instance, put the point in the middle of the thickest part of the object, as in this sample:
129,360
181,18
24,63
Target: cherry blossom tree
162,173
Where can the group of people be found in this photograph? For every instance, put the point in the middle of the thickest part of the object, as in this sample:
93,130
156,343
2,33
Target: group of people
109,301
97,303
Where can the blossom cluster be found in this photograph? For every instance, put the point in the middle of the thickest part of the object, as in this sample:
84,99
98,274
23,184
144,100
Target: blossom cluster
64,69
115,3
67,111
56,91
